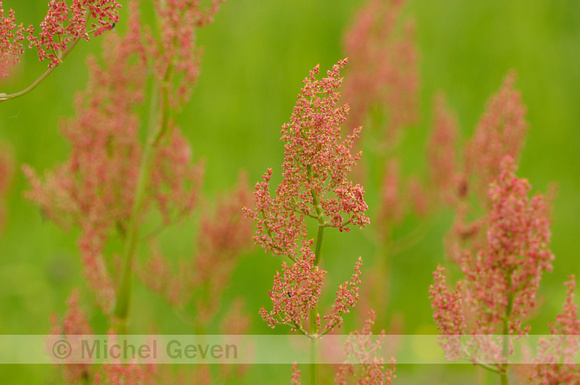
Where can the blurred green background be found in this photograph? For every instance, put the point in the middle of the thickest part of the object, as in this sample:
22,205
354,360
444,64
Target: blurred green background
256,56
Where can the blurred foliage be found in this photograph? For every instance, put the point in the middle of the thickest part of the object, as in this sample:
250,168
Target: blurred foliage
256,56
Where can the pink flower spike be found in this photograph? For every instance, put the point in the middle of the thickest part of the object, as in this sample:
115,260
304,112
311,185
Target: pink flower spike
316,165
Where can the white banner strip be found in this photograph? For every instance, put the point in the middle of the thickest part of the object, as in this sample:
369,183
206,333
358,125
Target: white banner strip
285,349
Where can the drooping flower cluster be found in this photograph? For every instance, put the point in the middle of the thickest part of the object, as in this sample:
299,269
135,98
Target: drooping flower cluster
362,351
501,280
63,24
11,38
383,69
317,162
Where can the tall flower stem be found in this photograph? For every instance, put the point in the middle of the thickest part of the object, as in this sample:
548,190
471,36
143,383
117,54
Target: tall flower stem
506,330
314,312
155,132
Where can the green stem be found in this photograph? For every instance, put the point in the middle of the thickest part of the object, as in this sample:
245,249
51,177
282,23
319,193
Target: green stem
124,292
318,247
313,364
4,98
314,314
154,135
505,348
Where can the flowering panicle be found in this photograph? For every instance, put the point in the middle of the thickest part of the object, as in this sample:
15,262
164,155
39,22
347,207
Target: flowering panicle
64,24
11,38
94,188
501,279
505,278
500,132
317,161
383,70
316,164
369,370
174,55
556,355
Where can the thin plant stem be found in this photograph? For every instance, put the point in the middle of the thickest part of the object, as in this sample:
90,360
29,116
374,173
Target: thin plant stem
154,134
4,98
314,311
505,347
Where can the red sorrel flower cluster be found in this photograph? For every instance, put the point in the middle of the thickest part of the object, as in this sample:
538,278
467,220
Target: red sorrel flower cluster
94,189
314,185
11,38
64,24
317,161
501,280
112,181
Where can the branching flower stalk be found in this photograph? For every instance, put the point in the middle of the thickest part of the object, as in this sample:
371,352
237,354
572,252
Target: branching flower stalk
110,183
317,162
501,278
63,27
